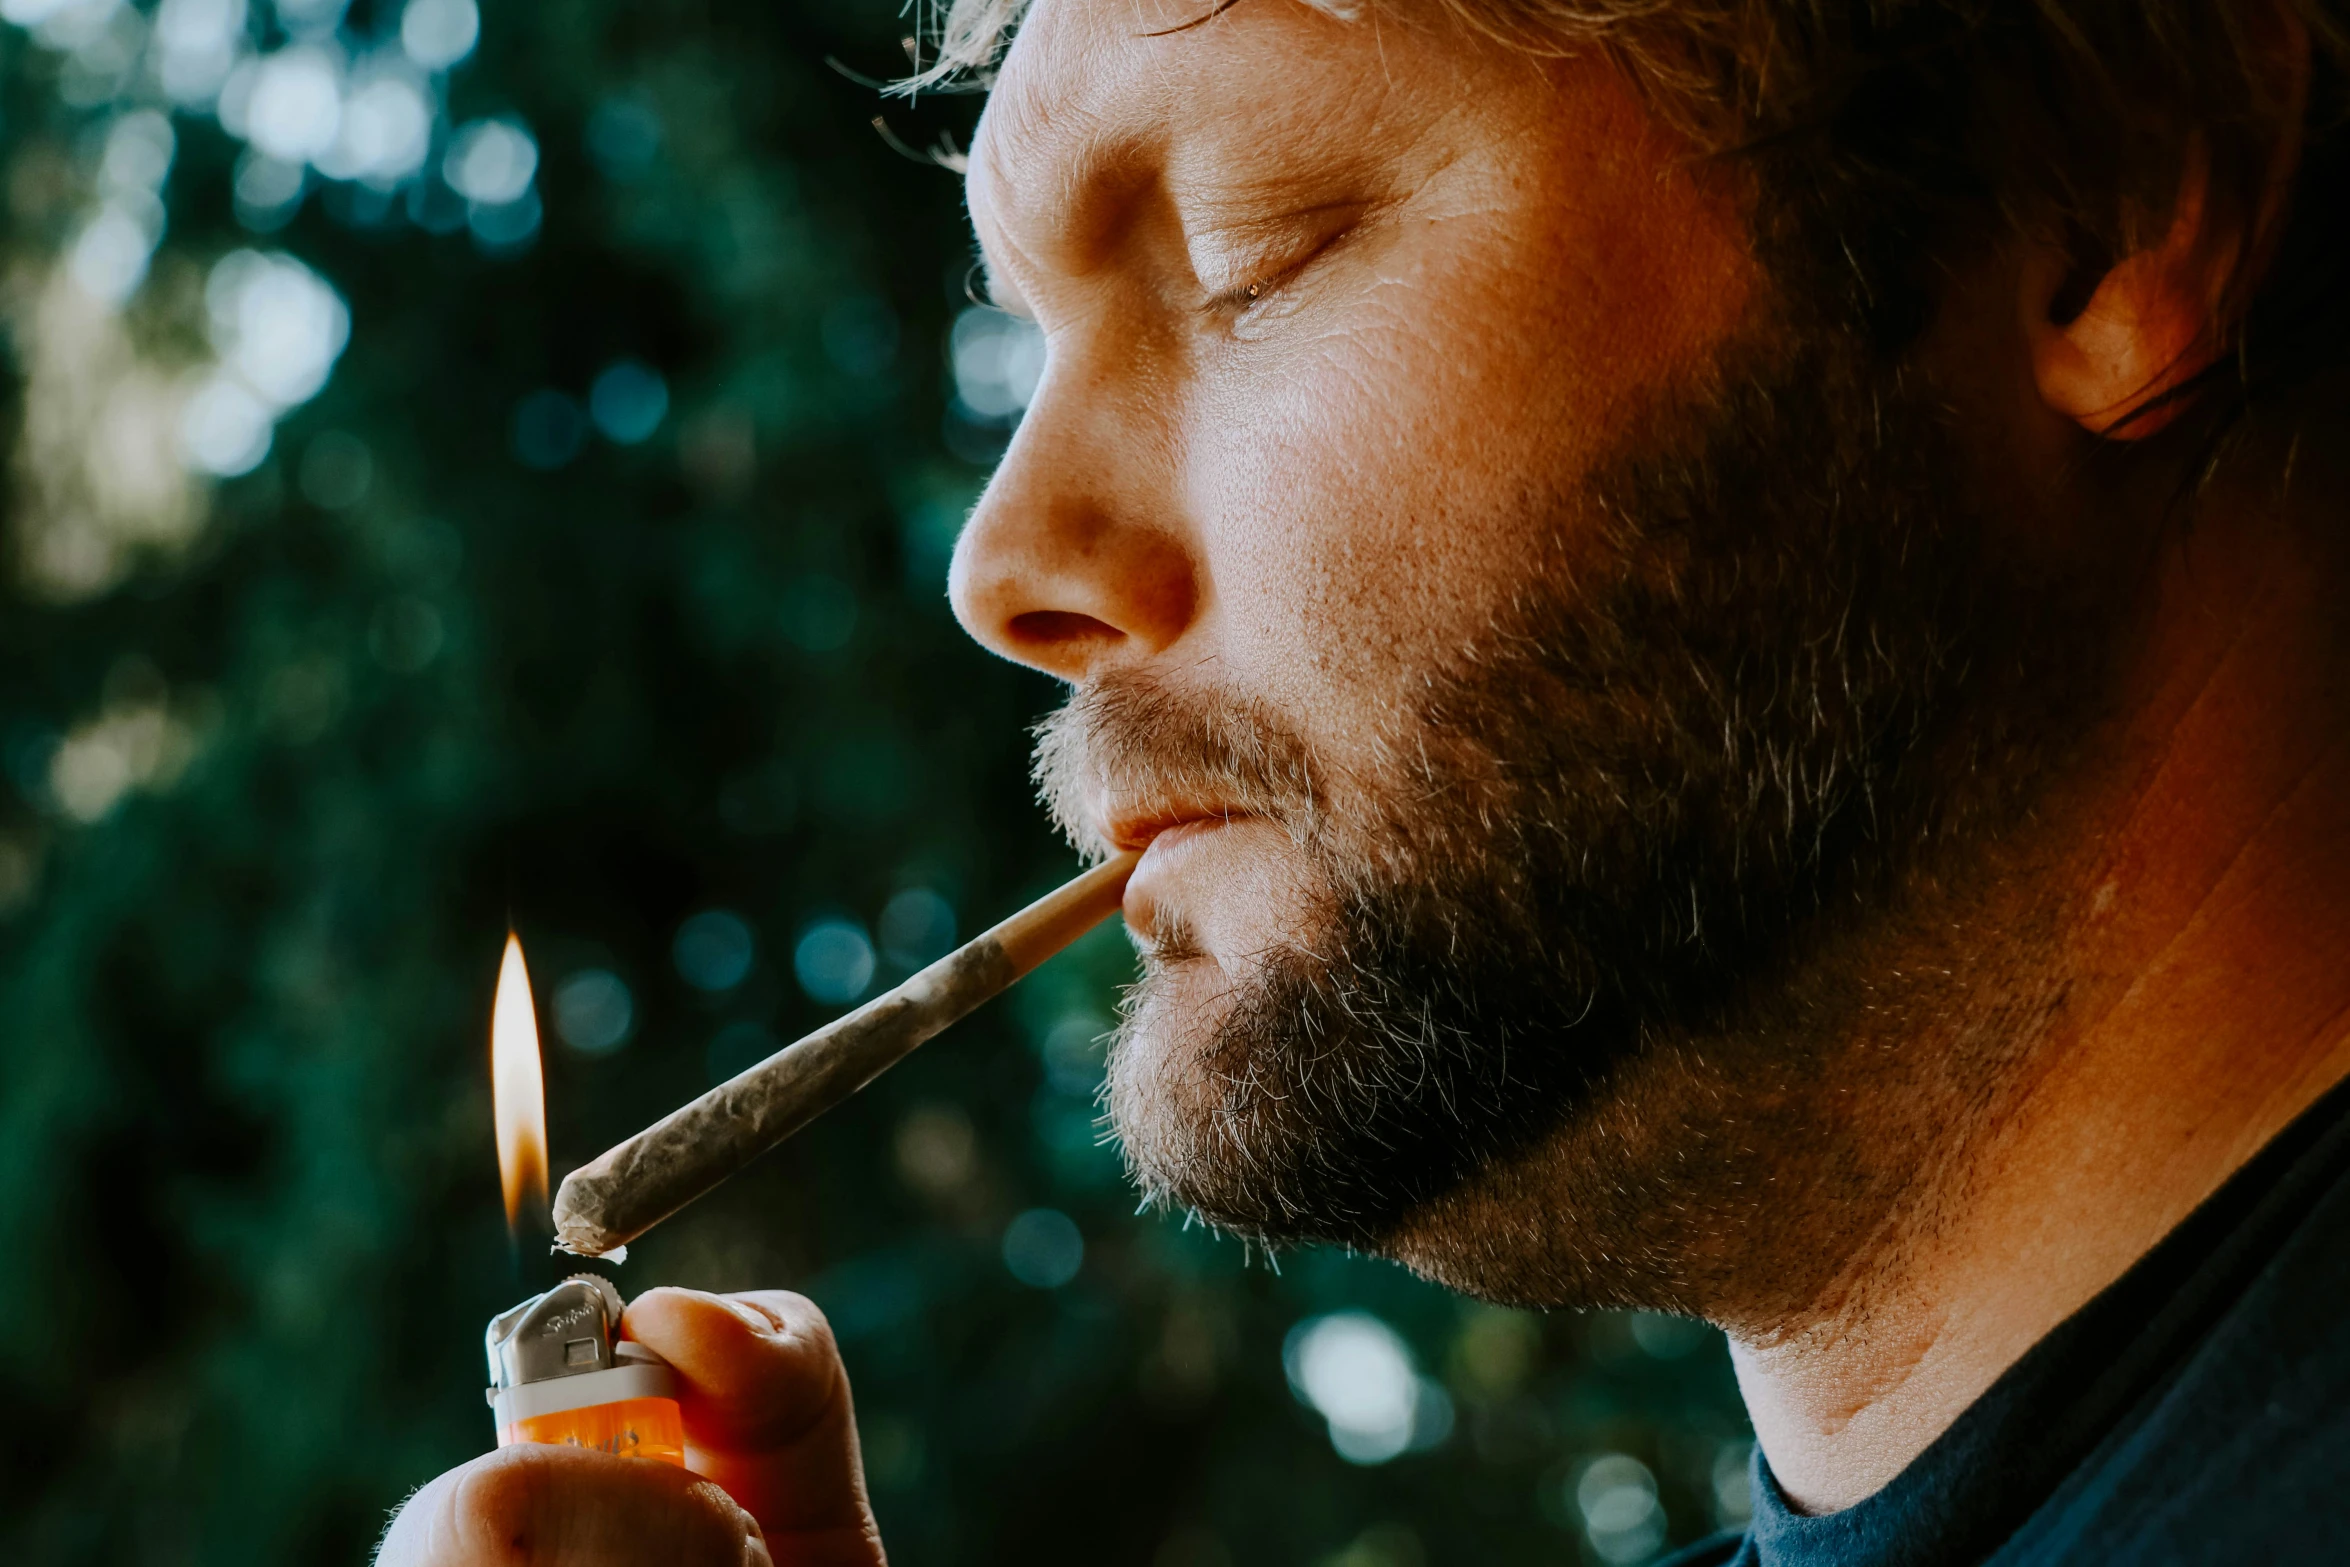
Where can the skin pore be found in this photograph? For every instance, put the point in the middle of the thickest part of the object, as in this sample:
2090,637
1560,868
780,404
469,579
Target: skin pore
1339,320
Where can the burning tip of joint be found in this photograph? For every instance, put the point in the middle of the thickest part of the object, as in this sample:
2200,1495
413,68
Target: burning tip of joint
615,1256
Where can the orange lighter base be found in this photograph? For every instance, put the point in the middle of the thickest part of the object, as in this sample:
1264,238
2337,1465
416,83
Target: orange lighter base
628,1427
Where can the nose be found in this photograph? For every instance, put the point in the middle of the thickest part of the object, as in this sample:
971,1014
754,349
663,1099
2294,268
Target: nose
1076,559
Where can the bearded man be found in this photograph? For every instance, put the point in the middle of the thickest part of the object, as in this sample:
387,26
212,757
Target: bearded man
1721,618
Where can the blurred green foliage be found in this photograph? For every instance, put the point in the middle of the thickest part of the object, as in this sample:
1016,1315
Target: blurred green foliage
281,767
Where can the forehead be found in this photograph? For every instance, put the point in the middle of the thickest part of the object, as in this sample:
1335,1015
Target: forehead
1096,95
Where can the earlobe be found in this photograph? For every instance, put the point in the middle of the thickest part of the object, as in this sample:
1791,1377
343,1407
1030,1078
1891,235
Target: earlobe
2163,315
2154,322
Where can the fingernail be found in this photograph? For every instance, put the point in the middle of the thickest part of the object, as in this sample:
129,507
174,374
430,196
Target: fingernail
755,1552
756,1315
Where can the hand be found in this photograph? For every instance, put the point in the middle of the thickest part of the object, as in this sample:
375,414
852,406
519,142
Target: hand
770,1440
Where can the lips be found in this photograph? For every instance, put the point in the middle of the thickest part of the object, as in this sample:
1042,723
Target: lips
1164,836
1140,831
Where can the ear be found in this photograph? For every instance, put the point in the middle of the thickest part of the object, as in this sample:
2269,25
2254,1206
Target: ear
2152,324
2164,315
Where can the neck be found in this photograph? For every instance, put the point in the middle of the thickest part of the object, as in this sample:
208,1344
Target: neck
2196,1001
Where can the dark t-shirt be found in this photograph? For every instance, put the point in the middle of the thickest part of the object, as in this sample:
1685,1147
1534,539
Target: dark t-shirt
2198,1411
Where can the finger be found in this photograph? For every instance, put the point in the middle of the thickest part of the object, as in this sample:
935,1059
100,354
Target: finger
761,1369
544,1506
767,1410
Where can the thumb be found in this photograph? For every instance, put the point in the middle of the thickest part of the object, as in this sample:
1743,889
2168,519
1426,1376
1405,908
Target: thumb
767,1416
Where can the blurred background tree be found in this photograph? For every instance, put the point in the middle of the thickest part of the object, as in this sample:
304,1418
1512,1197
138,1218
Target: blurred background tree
469,467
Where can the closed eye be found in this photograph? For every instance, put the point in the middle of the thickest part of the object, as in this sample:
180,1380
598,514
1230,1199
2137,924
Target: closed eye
1262,286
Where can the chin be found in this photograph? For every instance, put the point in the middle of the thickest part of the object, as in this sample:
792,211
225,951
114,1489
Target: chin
1163,1093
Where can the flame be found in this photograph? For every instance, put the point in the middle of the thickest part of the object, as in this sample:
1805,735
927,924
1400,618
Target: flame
518,1090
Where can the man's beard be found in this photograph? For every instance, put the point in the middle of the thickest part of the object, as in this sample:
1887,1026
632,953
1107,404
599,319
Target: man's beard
1755,673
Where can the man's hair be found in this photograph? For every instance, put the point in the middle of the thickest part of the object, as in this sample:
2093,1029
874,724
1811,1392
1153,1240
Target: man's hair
1897,137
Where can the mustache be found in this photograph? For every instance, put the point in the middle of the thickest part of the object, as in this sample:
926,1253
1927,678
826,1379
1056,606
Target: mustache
1128,748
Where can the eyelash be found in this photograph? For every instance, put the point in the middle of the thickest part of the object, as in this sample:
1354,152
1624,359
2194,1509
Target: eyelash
1238,300
1263,288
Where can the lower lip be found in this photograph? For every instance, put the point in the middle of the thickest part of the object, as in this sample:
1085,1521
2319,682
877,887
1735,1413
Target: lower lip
1159,858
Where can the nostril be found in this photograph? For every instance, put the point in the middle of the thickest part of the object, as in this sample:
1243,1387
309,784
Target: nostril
1060,628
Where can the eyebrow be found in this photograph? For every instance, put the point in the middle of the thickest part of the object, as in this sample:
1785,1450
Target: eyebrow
1086,197
1097,165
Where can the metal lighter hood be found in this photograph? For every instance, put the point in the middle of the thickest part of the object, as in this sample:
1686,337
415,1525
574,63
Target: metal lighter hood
565,1332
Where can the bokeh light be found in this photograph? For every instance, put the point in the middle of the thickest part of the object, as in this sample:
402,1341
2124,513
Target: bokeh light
1073,1050
1359,1375
384,134
505,228
439,33
714,950
267,191
1733,1482
294,105
1043,1248
225,428
628,401
833,961
998,359
916,926
110,257
937,1150
139,151
197,42
1616,1498
277,325
491,162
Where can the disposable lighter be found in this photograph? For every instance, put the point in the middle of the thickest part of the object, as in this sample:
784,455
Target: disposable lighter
559,1374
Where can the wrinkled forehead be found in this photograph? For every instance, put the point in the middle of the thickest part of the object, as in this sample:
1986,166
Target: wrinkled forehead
1099,93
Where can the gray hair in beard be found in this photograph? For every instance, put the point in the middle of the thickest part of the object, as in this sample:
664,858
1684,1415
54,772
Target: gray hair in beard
1789,670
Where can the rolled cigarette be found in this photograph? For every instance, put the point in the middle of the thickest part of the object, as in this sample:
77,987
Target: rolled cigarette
604,1205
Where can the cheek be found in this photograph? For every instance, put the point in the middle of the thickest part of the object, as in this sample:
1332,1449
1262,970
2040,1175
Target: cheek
1371,490
1381,478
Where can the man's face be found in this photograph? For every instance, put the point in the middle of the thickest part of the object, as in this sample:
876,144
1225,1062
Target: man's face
1505,617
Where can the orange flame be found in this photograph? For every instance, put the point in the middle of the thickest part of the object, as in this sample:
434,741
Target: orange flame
518,1090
